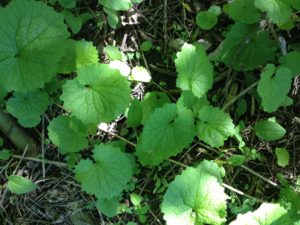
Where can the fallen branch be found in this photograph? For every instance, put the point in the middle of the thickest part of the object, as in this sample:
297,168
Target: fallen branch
17,134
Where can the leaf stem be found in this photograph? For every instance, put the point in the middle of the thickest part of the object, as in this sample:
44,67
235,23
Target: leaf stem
241,94
55,163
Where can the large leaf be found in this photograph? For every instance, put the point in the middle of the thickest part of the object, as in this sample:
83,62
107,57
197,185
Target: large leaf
273,88
266,214
195,72
20,185
98,94
28,107
165,134
242,11
279,11
116,5
214,126
151,101
269,130
108,175
246,47
32,39
291,61
68,133
194,197
78,54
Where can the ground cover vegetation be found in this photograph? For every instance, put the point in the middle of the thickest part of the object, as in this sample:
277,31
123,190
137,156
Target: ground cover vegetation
177,112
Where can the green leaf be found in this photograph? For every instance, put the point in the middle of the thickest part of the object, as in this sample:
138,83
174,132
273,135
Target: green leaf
195,72
109,207
78,54
136,199
269,130
3,93
296,4
75,23
291,61
116,5
211,168
68,134
28,107
279,11
5,154
266,214
206,20
32,37
140,73
113,17
146,46
68,4
113,52
273,88
189,103
214,126
291,199
135,113
97,94
236,160
242,11
121,66
246,47
108,176
190,200
153,100
283,157
165,134
20,185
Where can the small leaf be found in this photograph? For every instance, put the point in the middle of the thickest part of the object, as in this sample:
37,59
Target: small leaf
136,199
20,185
279,11
146,46
273,88
236,160
190,200
206,20
68,134
109,207
116,5
296,4
291,61
108,175
269,130
5,154
195,72
113,17
189,103
75,23
283,157
113,52
68,4
28,107
242,11
165,134
121,66
141,74
97,94
214,126
266,214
